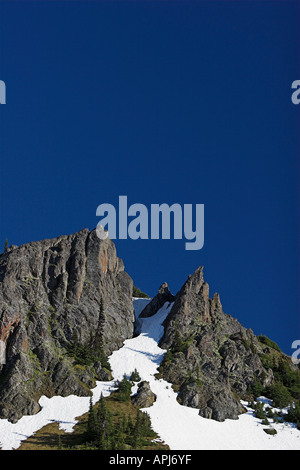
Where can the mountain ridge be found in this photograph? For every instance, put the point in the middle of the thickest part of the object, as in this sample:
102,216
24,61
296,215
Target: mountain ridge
66,304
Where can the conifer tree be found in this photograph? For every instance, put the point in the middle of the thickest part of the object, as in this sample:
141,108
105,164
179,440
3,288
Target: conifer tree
91,425
129,425
124,389
136,435
104,426
135,376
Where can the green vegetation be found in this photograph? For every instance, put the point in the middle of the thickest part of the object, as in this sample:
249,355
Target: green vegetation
124,390
138,293
268,342
256,388
180,344
113,423
259,411
293,415
84,355
5,247
105,434
284,391
108,425
168,357
135,376
266,413
93,351
289,377
279,394
286,386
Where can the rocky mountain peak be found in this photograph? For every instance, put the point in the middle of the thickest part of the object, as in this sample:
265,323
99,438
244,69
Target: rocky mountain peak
212,358
66,304
60,299
193,283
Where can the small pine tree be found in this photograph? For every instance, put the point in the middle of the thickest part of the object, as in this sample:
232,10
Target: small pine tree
129,425
59,444
136,434
136,292
146,427
104,426
168,356
259,410
256,388
118,441
124,389
91,425
135,376
293,414
279,394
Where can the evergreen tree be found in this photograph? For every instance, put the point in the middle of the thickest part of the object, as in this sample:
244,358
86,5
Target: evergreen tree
279,394
104,426
259,410
136,292
136,435
293,415
124,390
91,425
124,424
135,376
118,441
146,425
129,425
97,342
59,444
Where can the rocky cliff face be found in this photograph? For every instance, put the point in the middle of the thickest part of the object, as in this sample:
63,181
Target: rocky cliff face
212,358
65,303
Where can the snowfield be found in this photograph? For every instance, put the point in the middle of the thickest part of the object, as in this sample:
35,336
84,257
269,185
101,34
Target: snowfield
179,426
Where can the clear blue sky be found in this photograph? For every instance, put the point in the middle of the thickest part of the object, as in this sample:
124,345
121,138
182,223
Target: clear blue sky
184,101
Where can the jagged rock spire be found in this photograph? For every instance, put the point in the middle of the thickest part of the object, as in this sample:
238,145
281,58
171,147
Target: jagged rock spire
164,295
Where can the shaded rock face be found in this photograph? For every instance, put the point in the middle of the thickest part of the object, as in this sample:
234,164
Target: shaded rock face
53,294
164,295
213,357
144,397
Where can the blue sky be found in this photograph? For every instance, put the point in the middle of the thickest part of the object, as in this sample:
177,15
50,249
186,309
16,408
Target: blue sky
183,102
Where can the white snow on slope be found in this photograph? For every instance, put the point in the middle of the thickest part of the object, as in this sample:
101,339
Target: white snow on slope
63,410
179,426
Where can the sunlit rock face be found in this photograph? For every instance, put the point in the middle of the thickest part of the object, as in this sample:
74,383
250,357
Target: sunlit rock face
54,294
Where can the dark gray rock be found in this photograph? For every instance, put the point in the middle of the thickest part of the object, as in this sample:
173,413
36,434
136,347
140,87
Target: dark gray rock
144,397
213,357
163,296
54,294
